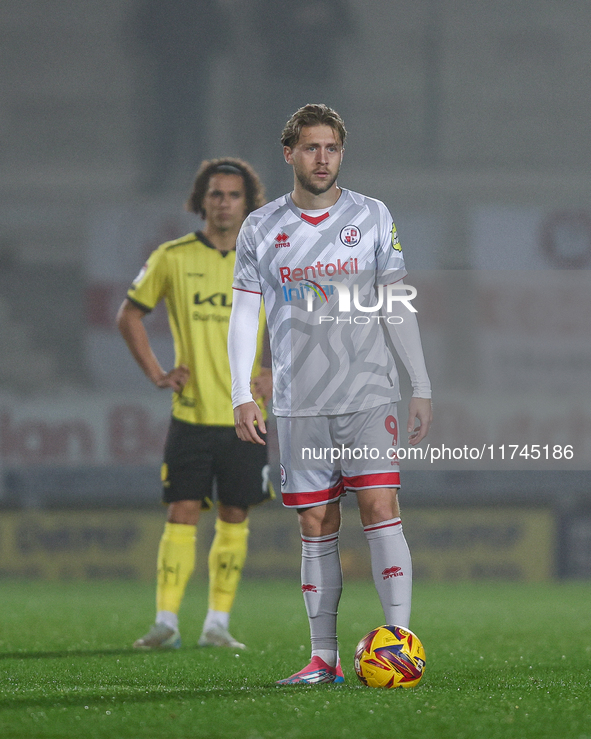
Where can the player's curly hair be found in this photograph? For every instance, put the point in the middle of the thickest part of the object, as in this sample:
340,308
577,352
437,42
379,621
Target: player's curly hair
312,114
255,191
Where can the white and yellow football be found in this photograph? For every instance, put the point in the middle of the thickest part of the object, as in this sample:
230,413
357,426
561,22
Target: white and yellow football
390,657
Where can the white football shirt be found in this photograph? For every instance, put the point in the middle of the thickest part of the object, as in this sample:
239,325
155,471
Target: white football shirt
327,360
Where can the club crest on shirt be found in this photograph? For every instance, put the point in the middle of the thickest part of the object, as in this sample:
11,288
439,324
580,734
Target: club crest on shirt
395,242
350,235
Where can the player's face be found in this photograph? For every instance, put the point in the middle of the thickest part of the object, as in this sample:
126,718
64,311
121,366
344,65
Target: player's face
224,202
316,158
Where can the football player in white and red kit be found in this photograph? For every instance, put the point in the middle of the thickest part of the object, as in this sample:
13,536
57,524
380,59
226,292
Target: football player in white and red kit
312,255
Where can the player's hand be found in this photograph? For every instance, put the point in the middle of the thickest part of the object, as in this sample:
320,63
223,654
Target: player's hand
176,379
262,385
419,409
245,416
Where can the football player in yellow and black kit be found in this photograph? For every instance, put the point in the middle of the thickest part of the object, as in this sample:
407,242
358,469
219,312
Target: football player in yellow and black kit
194,277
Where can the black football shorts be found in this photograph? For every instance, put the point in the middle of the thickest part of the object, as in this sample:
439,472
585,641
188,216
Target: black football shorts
196,456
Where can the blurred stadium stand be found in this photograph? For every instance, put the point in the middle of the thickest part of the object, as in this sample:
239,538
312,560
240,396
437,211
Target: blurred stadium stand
468,118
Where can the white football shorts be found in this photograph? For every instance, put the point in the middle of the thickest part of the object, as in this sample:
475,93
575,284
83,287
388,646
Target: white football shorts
323,456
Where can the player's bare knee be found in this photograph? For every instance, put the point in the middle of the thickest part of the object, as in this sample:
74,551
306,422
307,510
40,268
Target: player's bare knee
232,514
378,504
184,511
320,520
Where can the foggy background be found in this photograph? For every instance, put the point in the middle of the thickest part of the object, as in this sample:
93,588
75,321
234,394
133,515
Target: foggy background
469,119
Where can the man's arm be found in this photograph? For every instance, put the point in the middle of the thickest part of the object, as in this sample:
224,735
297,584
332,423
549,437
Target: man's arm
406,340
242,339
421,410
130,323
262,384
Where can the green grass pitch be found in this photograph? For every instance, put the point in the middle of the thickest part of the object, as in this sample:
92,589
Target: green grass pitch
503,660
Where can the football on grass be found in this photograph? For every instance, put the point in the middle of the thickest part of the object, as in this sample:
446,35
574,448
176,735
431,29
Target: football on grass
390,657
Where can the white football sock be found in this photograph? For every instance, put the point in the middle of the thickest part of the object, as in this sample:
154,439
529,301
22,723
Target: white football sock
328,655
392,569
216,618
168,618
322,583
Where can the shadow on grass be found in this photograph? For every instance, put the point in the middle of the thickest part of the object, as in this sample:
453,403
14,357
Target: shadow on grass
80,698
69,653
93,653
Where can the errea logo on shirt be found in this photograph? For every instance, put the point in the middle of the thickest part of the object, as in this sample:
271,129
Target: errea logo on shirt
281,240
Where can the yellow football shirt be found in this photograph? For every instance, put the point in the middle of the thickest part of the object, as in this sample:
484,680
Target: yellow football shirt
195,281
